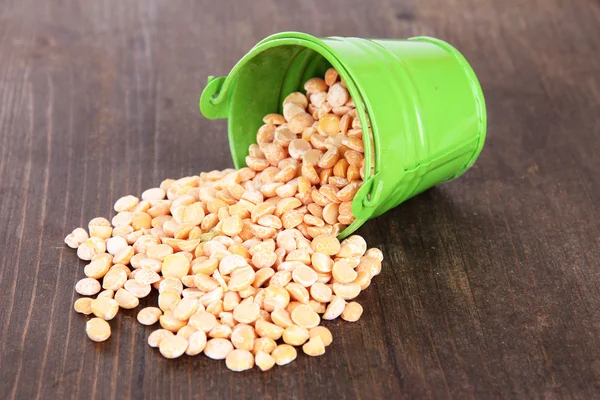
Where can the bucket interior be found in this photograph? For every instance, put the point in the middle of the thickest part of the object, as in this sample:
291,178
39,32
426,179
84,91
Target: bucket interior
265,77
262,85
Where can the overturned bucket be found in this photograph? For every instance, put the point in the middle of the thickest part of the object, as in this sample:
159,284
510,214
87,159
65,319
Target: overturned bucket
420,98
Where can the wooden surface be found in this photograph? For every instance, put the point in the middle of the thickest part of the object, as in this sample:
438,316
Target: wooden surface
491,283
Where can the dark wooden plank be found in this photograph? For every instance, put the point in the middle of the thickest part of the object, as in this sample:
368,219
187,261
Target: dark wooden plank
490,288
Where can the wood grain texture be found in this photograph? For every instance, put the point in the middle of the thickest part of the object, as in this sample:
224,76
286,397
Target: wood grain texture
491,283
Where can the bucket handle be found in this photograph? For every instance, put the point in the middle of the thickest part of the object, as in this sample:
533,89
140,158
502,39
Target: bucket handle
214,103
370,193
372,199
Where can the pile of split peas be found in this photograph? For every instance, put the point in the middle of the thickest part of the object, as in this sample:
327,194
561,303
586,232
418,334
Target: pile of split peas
246,262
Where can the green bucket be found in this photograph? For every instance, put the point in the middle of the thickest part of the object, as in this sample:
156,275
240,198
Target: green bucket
424,103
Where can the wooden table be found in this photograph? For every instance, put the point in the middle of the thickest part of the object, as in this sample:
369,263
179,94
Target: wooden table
490,286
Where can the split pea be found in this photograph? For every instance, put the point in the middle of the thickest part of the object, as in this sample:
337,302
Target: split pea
97,329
